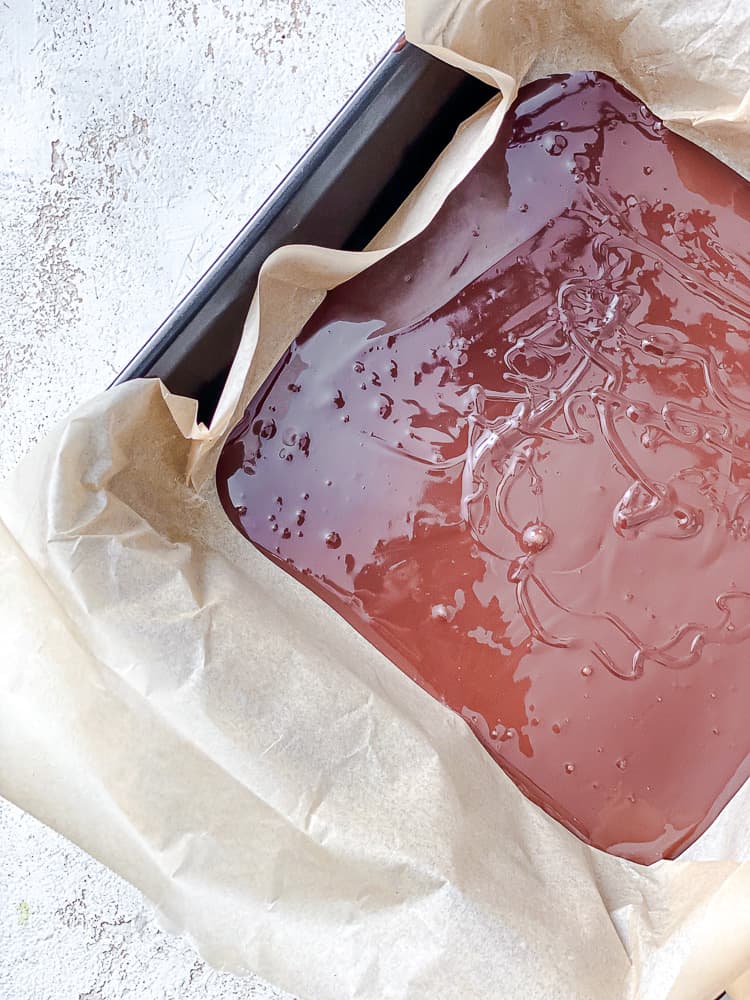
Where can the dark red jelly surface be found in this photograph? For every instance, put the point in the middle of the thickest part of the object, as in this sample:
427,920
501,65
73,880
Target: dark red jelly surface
515,455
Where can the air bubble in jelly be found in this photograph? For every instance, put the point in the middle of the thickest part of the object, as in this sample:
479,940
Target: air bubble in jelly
535,537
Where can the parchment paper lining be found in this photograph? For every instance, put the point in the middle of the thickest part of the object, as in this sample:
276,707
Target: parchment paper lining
201,723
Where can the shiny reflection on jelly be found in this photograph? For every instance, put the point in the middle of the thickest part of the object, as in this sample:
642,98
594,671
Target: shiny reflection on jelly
515,455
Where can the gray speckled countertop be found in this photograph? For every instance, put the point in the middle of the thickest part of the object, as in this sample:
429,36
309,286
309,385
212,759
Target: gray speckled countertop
137,137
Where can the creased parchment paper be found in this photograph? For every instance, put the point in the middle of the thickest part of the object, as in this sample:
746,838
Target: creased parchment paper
197,720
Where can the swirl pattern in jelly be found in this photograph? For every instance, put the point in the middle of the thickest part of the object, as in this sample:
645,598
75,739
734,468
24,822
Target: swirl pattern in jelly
515,455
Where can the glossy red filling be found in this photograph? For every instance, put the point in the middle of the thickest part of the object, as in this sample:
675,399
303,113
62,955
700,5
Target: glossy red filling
515,455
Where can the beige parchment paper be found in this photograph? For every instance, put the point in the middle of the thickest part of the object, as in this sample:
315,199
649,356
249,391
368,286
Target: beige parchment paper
198,721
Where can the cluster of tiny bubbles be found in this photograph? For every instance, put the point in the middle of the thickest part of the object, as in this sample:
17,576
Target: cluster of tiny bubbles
503,733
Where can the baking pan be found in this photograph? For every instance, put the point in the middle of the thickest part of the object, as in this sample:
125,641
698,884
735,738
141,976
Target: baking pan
338,195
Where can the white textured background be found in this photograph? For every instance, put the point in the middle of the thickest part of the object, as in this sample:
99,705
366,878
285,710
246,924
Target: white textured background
136,137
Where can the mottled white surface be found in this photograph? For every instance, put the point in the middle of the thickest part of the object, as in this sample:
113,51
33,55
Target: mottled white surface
136,138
